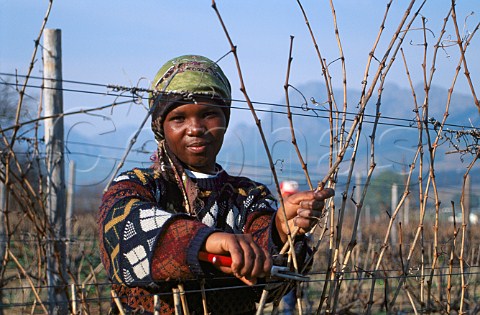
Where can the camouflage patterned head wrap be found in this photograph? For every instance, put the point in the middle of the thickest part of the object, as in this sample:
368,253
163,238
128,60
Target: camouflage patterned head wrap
183,79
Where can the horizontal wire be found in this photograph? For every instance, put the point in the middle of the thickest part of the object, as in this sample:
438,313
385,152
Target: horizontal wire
262,168
366,278
31,239
49,79
410,121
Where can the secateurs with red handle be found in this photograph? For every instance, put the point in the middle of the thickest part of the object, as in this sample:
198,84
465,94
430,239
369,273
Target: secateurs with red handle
276,271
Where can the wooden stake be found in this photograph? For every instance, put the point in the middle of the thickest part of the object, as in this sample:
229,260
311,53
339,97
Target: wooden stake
74,298
204,297
183,298
84,306
118,303
176,301
53,99
30,282
156,304
261,304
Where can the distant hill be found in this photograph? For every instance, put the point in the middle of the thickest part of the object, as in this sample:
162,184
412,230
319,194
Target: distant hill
395,143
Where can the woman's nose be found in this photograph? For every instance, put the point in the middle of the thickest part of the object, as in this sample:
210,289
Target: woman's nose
196,128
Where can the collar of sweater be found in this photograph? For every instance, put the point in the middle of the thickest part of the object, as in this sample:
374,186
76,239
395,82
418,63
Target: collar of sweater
208,181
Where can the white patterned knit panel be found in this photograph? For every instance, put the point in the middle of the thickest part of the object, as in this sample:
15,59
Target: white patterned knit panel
121,177
248,202
154,218
127,276
233,215
211,216
137,257
129,231
151,242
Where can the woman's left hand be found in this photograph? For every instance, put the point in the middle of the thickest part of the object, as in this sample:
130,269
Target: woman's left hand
302,210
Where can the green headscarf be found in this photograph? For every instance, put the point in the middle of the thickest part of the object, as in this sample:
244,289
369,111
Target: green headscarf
182,79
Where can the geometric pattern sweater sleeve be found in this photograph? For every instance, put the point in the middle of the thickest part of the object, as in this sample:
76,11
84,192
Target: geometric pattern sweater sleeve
131,222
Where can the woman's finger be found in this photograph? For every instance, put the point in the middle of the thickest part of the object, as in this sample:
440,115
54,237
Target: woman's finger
311,195
258,266
324,193
248,258
312,204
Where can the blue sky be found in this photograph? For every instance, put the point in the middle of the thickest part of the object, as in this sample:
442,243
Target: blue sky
125,42
120,42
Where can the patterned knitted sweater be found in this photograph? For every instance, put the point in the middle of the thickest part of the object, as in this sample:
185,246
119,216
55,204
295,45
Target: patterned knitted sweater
150,237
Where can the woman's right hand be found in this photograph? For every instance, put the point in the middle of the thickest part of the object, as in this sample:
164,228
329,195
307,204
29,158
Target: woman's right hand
249,261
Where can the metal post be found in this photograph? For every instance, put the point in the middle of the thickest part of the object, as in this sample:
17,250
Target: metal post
3,230
53,98
466,207
358,196
368,215
70,198
406,211
393,234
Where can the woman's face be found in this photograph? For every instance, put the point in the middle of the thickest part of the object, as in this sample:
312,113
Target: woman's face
194,133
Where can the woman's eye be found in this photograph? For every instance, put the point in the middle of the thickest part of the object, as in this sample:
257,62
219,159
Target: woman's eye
211,114
177,118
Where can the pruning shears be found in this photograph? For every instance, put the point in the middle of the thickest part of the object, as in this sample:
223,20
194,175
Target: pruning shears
276,271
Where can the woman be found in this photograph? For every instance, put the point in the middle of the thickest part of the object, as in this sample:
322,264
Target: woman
154,223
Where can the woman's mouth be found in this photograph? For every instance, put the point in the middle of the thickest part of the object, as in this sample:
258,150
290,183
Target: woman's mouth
197,147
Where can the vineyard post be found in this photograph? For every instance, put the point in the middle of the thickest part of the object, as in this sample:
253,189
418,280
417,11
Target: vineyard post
368,215
394,199
56,201
466,203
358,196
69,209
3,236
3,205
406,211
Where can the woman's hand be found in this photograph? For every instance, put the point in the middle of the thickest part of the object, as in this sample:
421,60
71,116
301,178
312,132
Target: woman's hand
302,209
249,261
